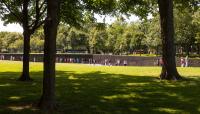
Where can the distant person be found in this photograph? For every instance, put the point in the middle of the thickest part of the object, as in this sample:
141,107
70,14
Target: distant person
94,61
90,61
60,60
11,57
125,62
186,61
118,62
109,63
21,58
182,62
70,60
157,62
106,62
2,57
161,63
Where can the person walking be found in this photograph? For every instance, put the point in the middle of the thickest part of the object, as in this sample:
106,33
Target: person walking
125,63
161,63
186,61
182,62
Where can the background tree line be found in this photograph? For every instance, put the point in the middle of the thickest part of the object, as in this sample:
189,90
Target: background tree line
119,37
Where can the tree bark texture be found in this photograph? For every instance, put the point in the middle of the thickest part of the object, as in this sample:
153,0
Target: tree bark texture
47,101
169,71
25,73
26,49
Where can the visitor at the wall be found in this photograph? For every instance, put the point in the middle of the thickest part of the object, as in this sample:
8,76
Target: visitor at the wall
74,60
11,58
70,60
106,62
182,62
118,62
157,62
60,60
94,61
109,63
186,61
161,63
2,57
82,60
125,62
90,61
21,58
77,60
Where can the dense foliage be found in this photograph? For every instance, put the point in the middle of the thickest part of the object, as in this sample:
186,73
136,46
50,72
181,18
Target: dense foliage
120,37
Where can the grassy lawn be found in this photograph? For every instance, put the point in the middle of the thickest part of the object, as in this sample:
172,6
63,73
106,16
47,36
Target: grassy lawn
144,55
85,89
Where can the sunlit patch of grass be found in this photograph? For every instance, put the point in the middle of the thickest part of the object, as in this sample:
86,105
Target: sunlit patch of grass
171,111
198,109
134,109
72,77
19,108
123,96
4,85
15,97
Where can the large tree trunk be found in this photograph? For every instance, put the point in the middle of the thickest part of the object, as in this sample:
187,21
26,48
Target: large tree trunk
47,101
25,73
169,70
26,34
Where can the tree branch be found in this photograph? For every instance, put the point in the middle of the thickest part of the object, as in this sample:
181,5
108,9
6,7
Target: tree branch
43,3
37,23
18,18
37,26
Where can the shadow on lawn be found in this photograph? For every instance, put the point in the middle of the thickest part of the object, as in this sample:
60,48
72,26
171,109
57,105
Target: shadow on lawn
102,93
19,97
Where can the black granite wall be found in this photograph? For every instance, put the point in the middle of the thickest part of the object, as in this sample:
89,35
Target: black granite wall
98,59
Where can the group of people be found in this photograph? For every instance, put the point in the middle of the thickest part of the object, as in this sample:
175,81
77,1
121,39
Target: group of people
183,61
108,62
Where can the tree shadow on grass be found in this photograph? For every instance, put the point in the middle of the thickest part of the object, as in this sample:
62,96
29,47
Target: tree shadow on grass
101,93
18,97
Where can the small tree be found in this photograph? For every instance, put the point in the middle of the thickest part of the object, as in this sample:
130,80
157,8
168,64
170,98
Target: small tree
30,15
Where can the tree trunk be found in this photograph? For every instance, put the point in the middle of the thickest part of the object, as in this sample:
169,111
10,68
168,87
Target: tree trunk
47,101
25,73
169,70
26,34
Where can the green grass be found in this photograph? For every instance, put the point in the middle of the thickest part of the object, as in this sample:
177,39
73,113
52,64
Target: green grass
85,89
144,55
